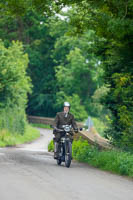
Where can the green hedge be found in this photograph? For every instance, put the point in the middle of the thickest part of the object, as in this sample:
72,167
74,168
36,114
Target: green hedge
112,160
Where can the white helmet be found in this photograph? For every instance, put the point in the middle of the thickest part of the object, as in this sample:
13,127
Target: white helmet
66,104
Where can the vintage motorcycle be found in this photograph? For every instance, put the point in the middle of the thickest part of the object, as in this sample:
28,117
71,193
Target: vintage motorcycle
65,146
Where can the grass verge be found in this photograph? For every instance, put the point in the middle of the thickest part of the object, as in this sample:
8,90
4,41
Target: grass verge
41,126
8,139
112,160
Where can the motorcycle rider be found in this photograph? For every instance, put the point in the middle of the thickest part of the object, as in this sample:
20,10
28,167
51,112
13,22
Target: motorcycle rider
62,118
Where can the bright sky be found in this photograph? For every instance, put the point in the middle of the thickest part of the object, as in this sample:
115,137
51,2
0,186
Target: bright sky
65,9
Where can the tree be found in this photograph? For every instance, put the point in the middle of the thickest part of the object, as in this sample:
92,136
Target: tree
14,86
33,30
112,20
20,7
76,62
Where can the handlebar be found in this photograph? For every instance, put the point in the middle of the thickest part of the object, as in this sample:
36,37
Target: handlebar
63,129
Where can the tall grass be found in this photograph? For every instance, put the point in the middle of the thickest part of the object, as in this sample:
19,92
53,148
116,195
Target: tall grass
9,139
41,126
13,120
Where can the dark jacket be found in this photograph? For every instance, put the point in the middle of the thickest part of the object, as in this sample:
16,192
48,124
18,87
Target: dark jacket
60,120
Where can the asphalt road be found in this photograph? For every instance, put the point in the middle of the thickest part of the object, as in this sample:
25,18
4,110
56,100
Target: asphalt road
29,172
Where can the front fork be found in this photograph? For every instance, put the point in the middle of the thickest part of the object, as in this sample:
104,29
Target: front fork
63,148
68,147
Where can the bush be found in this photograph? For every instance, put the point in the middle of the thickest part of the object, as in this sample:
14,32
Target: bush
119,100
51,146
111,160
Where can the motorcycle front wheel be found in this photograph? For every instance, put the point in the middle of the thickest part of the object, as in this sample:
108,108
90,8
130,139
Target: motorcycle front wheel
59,159
68,154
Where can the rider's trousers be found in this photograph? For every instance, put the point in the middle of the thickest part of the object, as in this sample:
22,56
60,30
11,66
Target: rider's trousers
56,147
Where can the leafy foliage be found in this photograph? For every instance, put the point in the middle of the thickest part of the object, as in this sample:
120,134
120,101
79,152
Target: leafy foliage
77,109
14,86
83,47
77,63
112,20
115,161
51,52
51,146
14,83
32,29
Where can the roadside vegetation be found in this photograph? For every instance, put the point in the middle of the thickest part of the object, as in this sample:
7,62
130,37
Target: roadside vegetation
51,146
110,160
115,161
77,56
46,126
15,84
99,125
8,139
